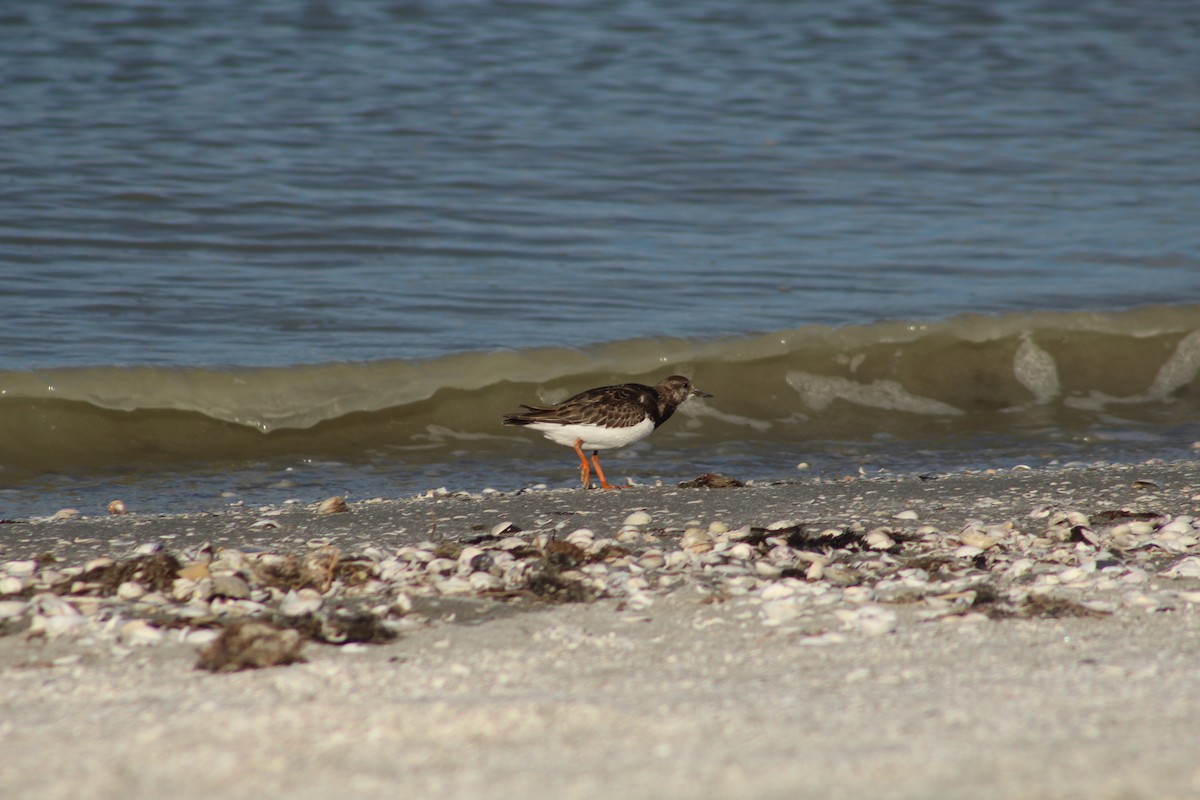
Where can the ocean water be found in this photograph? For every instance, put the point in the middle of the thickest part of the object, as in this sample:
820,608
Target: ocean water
259,251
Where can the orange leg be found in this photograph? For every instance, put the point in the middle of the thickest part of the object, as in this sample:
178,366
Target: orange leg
585,472
604,484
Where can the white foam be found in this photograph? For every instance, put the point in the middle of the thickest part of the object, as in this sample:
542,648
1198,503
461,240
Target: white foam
1036,370
819,391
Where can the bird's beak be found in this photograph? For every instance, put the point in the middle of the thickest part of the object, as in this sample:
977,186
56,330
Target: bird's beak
698,393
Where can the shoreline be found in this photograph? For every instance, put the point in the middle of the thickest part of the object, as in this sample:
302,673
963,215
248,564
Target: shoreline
1024,633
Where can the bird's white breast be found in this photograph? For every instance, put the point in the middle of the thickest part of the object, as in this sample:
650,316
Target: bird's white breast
594,437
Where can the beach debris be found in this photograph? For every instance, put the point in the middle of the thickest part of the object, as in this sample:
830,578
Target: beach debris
711,480
251,644
822,578
116,507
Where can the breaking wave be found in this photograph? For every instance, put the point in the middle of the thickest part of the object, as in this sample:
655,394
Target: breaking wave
1011,375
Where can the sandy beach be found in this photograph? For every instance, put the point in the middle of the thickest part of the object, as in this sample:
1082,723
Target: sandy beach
1010,634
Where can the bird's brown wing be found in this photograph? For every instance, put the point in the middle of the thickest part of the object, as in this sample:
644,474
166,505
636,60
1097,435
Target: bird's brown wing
611,406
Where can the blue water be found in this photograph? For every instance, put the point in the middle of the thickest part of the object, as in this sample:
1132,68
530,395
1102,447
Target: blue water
281,183
275,183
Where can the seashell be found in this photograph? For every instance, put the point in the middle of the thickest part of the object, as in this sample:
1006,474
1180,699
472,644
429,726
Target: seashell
511,543
629,535
717,528
815,571
638,518
879,539
502,528
333,505
263,524
116,507
967,551
1184,568
907,513
1180,525
783,524
469,554
298,603
1140,527
766,569
11,584
739,533
65,513
130,590
583,537
651,559
20,569
441,566
741,552
147,548
973,538
695,540
678,559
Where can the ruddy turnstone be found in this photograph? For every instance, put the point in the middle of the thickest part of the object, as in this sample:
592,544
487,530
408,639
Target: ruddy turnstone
607,417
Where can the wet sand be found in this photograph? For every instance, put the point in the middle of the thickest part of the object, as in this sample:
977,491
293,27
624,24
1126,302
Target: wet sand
688,696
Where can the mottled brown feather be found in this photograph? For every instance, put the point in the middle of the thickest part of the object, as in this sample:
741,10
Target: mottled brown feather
618,406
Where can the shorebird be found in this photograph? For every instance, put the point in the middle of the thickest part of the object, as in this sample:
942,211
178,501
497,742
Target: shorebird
607,417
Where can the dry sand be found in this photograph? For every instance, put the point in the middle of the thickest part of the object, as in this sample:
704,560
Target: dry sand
685,698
